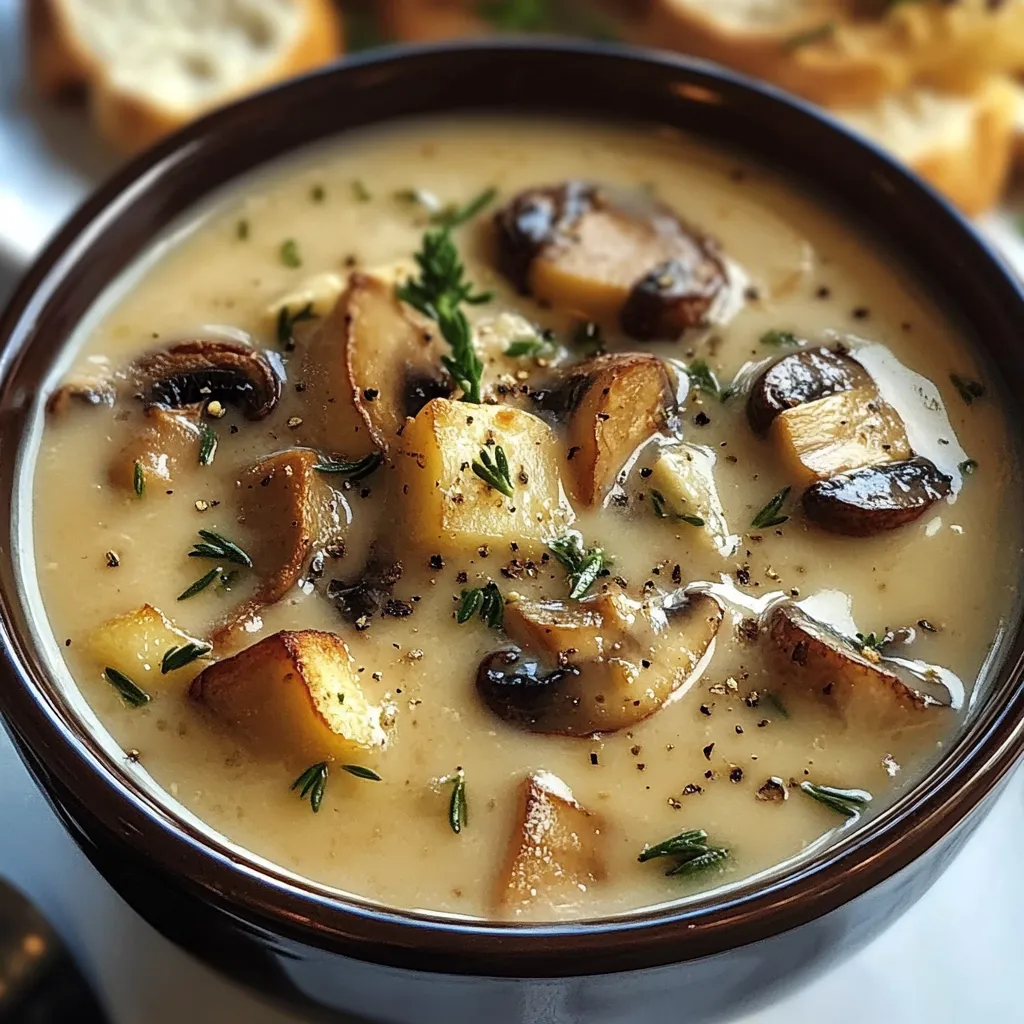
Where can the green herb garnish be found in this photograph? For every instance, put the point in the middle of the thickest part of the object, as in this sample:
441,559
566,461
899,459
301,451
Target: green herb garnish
689,850
131,694
495,474
968,466
703,378
660,507
584,566
207,444
452,217
872,641
317,193
770,515
518,15
485,600
242,231
200,584
588,337
290,253
437,293
313,781
533,347
360,192
353,470
286,322
360,772
778,339
458,810
970,390
811,35
139,479
776,703
418,197
214,545
848,802
178,657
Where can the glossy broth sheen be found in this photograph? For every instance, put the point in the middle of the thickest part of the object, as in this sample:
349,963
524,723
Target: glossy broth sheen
809,271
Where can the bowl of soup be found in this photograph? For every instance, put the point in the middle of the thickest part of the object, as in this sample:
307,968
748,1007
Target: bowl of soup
519,530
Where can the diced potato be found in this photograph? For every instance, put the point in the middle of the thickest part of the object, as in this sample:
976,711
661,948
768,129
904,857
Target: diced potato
597,665
166,444
684,476
447,507
623,405
842,432
318,294
293,696
135,644
286,507
555,854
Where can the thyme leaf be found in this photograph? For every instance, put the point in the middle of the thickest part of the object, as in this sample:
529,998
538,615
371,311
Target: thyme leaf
360,772
438,293
207,444
178,657
360,192
200,584
689,850
583,565
353,470
495,474
532,347
771,515
313,781
485,600
242,230
216,546
286,321
660,506
129,692
289,253
872,641
139,478
703,378
458,809
779,339
452,217
588,337
848,802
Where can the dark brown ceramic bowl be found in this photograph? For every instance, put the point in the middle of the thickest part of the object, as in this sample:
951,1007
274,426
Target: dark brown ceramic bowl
309,947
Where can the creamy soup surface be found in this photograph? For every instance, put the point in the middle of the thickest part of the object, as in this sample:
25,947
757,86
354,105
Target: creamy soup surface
683,698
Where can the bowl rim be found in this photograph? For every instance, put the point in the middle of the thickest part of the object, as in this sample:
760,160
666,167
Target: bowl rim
683,92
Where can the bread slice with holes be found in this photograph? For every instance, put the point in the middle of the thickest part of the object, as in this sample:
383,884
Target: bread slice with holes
150,66
963,144
844,52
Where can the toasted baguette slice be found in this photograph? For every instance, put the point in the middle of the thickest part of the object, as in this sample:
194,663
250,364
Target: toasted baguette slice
823,50
151,67
961,144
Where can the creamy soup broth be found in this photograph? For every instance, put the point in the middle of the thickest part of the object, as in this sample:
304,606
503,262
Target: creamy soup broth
701,760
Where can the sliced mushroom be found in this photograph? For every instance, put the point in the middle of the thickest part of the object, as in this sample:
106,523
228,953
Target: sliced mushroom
812,660
197,371
84,389
605,257
596,665
876,498
554,853
371,364
612,405
286,507
842,432
361,600
295,696
167,443
802,377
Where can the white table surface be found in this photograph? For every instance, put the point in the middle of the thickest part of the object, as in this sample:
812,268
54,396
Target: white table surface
953,958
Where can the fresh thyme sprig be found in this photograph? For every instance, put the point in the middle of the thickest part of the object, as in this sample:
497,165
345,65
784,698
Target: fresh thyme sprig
353,470
779,339
494,473
178,657
661,510
213,545
200,584
289,253
438,293
458,809
703,378
689,850
207,444
361,772
531,347
874,642
130,693
286,322
584,565
771,514
453,216
485,600
313,782
848,802
139,479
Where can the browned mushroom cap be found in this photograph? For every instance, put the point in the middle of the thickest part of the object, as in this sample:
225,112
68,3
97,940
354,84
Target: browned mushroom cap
876,498
86,390
606,257
802,377
617,660
202,369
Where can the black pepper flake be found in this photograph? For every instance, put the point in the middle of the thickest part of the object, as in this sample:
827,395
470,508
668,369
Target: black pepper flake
772,791
861,313
927,626
335,550
743,575
702,419
635,749
436,562
708,749
67,643
677,573
370,394
233,428
762,723
572,452
709,774
112,560
397,609
823,292
462,577
133,756
640,767
483,551
736,774
752,699
705,710
645,663
646,472
748,630
739,730
593,757
692,789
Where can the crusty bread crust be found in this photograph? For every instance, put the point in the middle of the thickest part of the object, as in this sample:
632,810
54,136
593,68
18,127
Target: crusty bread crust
827,56
130,121
428,21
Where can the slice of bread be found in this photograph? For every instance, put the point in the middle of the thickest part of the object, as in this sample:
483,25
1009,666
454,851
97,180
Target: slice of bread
429,21
149,66
961,143
844,52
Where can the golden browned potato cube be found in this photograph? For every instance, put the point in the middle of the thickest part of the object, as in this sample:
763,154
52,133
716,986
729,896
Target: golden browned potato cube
624,405
554,855
294,696
842,432
167,443
135,644
447,507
